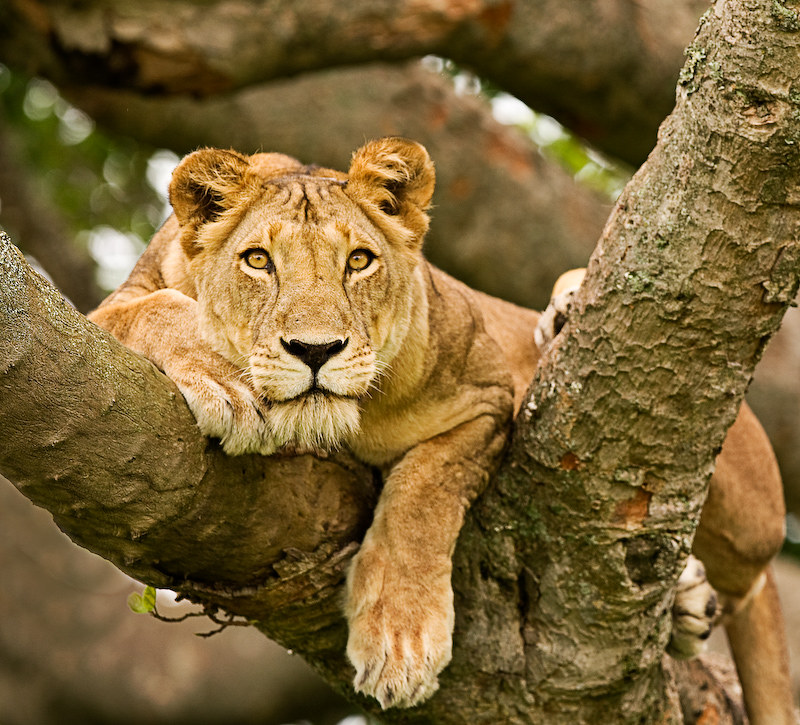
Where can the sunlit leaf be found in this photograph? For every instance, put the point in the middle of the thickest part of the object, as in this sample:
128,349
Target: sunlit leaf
143,603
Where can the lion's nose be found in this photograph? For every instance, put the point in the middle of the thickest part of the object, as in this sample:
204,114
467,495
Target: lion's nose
312,354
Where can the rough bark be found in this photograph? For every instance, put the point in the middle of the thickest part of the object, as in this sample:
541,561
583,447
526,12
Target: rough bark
618,58
694,271
557,620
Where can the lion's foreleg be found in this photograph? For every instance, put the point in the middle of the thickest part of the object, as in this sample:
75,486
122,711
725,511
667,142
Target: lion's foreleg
400,599
163,326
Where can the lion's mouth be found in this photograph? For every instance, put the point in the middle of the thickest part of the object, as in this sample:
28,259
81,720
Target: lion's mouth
316,420
315,390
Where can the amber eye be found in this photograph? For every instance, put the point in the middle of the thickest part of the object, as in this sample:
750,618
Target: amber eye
258,259
360,259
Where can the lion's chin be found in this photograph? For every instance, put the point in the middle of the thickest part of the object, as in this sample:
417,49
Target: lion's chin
316,422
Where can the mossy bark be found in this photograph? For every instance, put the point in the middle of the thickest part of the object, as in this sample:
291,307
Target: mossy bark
695,268
564,570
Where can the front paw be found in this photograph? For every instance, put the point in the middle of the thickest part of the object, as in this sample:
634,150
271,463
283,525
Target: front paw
694,611
227,408
401,627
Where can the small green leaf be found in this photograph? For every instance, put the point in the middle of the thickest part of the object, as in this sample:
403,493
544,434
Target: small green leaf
143,603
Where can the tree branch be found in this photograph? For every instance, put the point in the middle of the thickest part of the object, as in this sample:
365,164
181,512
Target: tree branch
618,58
694,271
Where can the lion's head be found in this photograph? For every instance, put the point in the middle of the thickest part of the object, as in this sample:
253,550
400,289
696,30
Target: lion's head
304,276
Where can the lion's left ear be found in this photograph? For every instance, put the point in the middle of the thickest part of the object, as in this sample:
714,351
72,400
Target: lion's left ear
393,180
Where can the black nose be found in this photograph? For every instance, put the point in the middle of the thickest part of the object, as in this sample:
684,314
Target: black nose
314,355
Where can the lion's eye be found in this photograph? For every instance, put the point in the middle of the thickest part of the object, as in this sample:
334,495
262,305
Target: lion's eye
360,259
258,259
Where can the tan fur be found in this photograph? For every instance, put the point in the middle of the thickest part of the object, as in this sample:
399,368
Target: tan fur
422,384
741,530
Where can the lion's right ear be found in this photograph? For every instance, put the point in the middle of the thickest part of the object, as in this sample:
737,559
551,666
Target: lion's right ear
208,183
393,179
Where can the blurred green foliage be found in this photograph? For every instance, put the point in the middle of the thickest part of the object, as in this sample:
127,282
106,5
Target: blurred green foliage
93,177
101,185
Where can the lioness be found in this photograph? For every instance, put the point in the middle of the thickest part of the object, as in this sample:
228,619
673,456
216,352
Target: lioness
295,311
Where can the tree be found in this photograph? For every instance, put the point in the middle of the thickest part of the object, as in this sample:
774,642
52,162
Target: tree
693,272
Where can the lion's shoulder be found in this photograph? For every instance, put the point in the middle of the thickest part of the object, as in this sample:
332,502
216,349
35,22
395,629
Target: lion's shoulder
509,327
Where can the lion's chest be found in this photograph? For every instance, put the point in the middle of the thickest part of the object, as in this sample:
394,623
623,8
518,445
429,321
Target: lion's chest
385,435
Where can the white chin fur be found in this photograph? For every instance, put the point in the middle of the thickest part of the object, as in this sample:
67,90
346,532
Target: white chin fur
314,421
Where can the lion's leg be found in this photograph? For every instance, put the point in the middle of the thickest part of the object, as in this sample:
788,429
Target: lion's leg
741,530
399,597
756,635
163,326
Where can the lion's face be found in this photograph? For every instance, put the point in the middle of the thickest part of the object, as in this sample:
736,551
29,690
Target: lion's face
304,280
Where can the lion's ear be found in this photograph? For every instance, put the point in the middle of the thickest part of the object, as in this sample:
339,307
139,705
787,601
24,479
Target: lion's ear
393,178
207,183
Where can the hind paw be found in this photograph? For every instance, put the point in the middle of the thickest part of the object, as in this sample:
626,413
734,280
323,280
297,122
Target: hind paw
556,314
694,612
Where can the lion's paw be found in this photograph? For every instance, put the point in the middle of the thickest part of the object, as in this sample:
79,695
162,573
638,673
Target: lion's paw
229,410
400,635
694,611
556,314
397,668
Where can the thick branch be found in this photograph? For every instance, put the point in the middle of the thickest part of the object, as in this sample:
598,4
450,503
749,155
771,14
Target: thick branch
694,271
618,58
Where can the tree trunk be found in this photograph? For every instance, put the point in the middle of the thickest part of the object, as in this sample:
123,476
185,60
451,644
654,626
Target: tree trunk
557,620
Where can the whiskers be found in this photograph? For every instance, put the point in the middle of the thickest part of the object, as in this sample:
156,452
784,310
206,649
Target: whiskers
245,375
383,374
308,412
